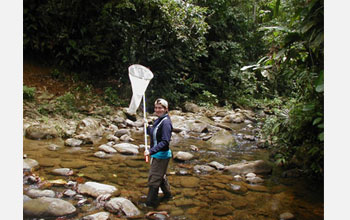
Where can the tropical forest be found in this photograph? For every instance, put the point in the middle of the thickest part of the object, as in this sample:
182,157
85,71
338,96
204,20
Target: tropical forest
244,83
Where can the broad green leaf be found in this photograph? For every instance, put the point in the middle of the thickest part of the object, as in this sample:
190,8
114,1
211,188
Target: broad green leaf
321,136
308,107
317,120
320,88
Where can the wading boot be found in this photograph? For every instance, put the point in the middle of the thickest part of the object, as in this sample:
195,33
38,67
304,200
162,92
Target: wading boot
152,197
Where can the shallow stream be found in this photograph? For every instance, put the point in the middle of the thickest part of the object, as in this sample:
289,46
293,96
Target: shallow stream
197,195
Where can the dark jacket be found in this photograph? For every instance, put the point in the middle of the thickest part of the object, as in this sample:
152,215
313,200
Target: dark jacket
163,134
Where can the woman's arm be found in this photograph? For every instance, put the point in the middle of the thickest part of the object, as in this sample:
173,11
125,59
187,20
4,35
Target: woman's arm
165,140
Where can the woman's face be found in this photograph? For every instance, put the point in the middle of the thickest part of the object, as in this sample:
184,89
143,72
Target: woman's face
159,110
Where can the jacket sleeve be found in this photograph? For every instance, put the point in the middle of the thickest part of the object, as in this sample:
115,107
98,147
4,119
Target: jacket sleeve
166,136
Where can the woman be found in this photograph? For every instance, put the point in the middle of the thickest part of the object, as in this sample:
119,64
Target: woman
160,153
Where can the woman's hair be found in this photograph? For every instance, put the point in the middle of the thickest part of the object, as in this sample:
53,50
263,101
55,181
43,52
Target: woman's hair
163,102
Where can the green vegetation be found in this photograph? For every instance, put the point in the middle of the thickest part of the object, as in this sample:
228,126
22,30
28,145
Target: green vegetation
28,93
255,54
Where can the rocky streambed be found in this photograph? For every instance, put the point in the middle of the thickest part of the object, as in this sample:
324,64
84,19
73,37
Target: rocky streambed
94,168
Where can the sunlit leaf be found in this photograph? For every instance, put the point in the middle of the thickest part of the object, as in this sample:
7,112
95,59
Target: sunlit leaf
317,120
321,136
308,107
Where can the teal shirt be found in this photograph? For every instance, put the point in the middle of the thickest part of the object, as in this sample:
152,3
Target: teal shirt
162,154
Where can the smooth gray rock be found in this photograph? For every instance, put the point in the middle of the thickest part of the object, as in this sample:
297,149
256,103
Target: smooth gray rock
39,132
124,205
222,138
203,168
90,127
216,165
26,198
184,156
53,147
286,216
36,193
258,166
95,189
101,154
63,171
47,207
28,164
73,142
126,148
121,132
97,216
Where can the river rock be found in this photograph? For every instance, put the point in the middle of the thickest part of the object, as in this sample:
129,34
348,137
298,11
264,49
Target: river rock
47,207
121,132
191,107
69,193
107,149
38,132
53,147
126,148
222,138
126,138
97,216
258,166
95,189
203,168
72,142
216,165
113,138
63,171
124,205
26,198
29,164
102,154
286,216
198,127
238,178
255,179
184,156
238,188
250,175
249,137
90,127
35,193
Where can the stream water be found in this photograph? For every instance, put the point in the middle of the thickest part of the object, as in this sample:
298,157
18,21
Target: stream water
197,195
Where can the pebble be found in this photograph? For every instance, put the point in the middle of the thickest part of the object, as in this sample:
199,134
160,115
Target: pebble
286,215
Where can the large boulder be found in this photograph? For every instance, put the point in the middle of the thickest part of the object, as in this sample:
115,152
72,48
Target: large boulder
222,138
89,127
258,166
124,205
126,148
96,189
191,107
38,132
47,207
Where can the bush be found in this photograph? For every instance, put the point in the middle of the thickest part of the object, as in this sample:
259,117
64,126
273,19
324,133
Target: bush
28,93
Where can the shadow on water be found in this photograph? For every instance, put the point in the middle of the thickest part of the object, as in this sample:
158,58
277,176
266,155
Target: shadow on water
197,195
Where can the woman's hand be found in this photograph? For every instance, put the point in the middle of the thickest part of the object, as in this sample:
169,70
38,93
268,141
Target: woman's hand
144,121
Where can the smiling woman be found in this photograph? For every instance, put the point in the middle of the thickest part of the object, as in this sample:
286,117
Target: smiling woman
160,152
